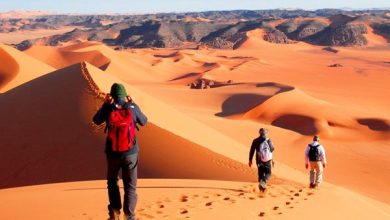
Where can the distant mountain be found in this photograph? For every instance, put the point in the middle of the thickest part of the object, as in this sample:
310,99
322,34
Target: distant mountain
218,29
22,14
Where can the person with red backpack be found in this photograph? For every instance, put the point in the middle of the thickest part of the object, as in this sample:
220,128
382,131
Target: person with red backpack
264,160
315,156
121,116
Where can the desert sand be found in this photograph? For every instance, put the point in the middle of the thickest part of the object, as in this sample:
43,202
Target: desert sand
17,37
195,150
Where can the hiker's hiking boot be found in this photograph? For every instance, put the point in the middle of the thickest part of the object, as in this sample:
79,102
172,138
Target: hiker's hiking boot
313,185
262,186
114,215
127,217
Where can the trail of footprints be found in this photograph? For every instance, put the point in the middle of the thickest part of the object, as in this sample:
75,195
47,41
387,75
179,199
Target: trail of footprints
292,196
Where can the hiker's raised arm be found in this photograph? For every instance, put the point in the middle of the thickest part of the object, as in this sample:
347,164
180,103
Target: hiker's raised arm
140,116
102,114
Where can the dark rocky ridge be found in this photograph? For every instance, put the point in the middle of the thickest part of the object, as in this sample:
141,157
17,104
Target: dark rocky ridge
382,29
344,30
218,29
301,31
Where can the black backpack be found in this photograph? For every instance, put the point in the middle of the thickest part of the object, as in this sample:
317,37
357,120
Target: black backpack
314,153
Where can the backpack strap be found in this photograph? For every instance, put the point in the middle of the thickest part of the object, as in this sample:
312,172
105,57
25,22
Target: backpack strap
129,106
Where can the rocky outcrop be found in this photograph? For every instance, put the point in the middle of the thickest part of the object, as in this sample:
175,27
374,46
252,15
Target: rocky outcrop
382,29
343,31
336,65
207,84
302,30
275,36
232,36
330,49
307,29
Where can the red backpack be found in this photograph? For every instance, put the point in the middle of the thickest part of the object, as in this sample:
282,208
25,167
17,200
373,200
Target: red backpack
121,130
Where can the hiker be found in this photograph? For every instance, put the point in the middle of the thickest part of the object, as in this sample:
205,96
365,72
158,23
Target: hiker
315,156
121,115
264,148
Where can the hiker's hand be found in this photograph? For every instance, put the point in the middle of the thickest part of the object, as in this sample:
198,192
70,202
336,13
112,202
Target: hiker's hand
108,99
323,165
273,163
129,99
307,166
250,163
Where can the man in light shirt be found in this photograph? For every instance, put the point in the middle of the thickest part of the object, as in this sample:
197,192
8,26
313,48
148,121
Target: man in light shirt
315,156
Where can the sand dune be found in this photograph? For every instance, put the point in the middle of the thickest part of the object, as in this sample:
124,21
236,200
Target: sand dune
9,69
70,92
306,115
63,57
18,68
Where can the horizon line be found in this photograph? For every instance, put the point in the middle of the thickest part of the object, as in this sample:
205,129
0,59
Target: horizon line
347,9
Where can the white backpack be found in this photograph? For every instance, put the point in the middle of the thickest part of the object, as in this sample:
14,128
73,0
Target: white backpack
265,153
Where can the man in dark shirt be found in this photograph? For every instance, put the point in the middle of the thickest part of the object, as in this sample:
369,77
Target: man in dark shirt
127,160
263,147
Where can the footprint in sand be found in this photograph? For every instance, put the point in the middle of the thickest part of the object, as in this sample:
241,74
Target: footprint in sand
262,214
146,215
288,203
184,199
209,203
296,194
183,211
276,208
310,193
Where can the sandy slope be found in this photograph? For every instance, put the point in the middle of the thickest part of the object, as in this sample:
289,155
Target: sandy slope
193,199
18,68
64,138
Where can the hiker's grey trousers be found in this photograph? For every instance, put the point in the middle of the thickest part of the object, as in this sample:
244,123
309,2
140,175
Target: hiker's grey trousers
128,164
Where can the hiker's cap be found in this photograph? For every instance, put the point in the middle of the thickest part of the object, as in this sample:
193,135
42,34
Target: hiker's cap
118,91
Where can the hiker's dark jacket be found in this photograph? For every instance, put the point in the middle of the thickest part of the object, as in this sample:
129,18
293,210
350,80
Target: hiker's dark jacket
256,147
102,115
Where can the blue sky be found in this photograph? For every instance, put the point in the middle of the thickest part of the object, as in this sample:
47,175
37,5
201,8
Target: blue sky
152,6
